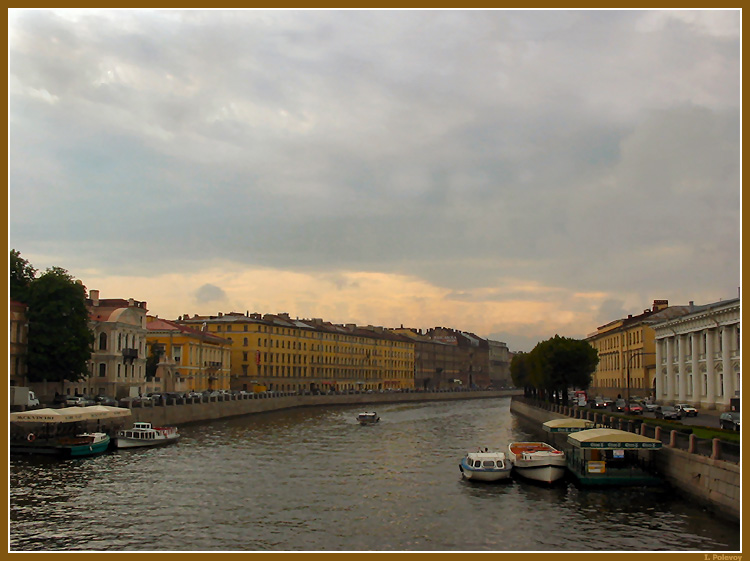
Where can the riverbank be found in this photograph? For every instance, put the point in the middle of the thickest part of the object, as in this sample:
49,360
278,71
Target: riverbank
180,412
712,482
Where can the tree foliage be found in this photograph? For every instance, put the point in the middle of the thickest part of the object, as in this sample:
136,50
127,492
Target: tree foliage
60,342
21,276
555,365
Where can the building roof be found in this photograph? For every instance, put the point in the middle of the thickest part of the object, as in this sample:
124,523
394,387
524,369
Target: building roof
165,325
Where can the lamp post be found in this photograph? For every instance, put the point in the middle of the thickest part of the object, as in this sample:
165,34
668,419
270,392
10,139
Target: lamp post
627,372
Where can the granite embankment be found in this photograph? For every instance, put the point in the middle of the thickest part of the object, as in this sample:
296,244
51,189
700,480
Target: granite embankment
180,412
712,482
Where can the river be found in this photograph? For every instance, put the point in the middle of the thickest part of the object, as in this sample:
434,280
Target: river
313,479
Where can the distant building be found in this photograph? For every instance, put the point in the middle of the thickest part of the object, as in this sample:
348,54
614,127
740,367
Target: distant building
189,359
627,357
499,357
312,355
19,342
118,360
698,355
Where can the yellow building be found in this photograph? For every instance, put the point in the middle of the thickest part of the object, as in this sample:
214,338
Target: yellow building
287,354
627,356
190,359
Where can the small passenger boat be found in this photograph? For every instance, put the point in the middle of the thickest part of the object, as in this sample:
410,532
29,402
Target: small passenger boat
143,435
485,466
537,461
368,418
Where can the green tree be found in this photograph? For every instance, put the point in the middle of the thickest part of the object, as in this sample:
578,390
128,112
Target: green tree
21,275
152,361
519,373
561,363
60,342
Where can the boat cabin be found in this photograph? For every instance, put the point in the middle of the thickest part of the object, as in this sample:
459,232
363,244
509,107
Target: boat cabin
612,457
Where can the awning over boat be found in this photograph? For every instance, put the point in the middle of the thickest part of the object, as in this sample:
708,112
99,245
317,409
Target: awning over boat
49,415
612,439
567,425
105,412
69,414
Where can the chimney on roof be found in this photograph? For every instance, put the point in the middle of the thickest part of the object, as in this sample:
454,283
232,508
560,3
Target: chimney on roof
94,295
692,305
221,314
131,302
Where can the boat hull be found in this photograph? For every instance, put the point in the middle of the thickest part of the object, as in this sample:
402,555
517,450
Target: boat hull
125,443
537,461
542,473
63,450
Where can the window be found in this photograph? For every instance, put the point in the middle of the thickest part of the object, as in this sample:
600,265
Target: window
102,341
102,370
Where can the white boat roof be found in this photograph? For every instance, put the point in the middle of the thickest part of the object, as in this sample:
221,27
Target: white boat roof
558,425
486,455
611,439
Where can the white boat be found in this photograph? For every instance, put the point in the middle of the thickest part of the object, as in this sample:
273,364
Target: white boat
537,461
143,434
368,418
485,466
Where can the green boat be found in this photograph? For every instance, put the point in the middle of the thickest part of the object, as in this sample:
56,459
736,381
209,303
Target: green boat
78,446
605,457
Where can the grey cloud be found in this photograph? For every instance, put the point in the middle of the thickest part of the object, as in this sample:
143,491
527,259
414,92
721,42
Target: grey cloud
587,148
209,293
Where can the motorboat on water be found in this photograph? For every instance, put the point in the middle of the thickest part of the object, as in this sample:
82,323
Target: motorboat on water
537,461
144,435
485,466
368,418
74,446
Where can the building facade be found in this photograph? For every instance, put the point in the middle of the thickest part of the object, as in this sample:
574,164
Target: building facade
698,356
627,356
287,354
19,340
499,358
189,359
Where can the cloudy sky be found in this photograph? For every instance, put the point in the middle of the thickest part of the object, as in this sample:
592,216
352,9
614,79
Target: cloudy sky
517,174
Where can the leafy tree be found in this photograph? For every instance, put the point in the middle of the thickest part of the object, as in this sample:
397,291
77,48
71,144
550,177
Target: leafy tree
519,373
60,342
152,361
21,275
560,363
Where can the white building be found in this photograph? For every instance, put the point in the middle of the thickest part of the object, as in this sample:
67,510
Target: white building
698,356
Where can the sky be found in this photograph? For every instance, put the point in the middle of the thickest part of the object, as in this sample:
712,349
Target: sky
515,174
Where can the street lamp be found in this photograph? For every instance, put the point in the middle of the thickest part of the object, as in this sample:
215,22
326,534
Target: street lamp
627,372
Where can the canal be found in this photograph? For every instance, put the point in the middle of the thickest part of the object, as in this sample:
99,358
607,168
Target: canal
312,479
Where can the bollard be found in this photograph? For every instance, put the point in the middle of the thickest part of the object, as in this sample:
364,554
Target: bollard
716,449
657,433
643,429
673,439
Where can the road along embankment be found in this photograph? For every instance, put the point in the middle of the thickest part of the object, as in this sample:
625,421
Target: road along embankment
712,482
180,412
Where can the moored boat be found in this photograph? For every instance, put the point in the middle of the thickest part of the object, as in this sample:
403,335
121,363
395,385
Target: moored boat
144,435
537,461
485,466
74,446
368,418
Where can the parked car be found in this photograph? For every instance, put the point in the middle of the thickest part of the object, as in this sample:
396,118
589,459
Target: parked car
730,420
687,409
635,408
597,403
105,400
619,406
650,406
668,412
79,400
